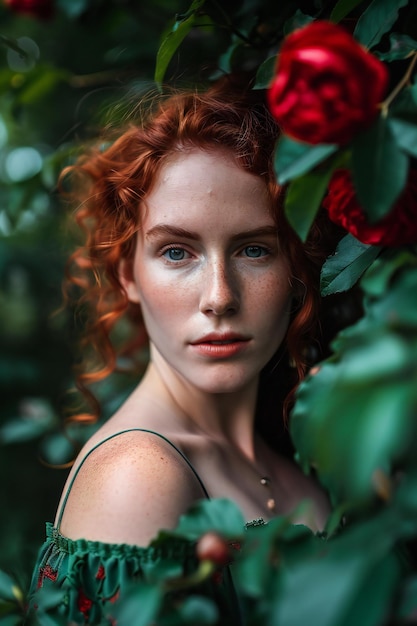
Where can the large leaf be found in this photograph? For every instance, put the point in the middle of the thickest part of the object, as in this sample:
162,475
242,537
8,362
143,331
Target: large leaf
140,605
8,588
376,281
303,200
364,394
173,39
294,158
405,134
356,567
380,169
342,270
343,8
198,610
218,515
376,20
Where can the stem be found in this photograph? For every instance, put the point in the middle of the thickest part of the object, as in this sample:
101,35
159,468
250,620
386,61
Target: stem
204,570
230,26
12,43
403,82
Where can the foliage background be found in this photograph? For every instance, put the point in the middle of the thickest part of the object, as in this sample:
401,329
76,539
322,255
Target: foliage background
63,78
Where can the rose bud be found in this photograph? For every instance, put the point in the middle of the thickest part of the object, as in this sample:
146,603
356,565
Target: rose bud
212,547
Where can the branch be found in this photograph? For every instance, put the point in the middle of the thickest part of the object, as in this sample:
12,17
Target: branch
402,83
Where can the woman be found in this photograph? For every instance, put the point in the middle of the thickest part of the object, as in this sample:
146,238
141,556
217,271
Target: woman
184,232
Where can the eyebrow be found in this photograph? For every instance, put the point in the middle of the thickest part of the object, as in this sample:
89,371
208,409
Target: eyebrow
175,231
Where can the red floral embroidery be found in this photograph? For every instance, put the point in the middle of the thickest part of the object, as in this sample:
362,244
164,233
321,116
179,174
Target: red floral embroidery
46,572
84,603
101,573
115,597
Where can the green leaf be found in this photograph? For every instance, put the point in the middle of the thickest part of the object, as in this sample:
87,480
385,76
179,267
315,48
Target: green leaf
333,581
169,46
26,58
405,134
342,270
379,168
218,515
225,60
398,307
401,46
377,278
74,8
298,20
253,569
294,158
265,73
13,620
408,600
57,448
303,200
376,20
140,605
23,429
174,38
343,8
7,587
364,394
198,610
374,596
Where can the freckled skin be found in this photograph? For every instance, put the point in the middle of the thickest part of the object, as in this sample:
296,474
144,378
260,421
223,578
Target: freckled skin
217,286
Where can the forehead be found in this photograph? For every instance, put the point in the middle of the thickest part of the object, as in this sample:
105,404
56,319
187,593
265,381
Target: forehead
197,184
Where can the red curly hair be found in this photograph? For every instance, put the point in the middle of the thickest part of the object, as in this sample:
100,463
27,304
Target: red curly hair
108,186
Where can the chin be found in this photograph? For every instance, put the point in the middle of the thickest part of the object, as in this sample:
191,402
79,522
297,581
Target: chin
226,384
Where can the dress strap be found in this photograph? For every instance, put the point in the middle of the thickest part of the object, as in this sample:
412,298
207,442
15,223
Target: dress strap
122,432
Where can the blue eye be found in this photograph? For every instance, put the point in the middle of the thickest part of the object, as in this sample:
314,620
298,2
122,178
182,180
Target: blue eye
175,254
254,252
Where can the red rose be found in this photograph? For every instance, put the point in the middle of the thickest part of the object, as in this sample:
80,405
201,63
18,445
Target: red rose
397,228
42,9
327,87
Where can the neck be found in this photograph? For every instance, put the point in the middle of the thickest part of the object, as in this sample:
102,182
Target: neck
225,417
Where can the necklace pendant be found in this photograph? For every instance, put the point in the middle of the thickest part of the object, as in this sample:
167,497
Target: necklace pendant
270,504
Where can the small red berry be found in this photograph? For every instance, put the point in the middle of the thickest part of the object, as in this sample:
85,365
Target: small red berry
212,547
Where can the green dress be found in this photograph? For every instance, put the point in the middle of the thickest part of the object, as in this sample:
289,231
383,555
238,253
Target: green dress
92,576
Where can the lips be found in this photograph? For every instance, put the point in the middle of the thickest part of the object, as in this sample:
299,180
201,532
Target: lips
220,346
220,339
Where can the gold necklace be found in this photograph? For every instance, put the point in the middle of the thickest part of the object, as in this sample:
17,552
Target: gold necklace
270,503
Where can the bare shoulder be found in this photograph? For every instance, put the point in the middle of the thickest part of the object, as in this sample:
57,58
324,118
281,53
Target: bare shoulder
127,489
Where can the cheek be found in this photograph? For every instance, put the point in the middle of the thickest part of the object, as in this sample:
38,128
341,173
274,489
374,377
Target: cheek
273,294
163,303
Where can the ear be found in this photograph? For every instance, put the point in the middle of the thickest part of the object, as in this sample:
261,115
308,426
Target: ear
128,282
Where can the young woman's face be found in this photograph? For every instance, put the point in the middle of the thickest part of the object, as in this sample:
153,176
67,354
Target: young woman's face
209,274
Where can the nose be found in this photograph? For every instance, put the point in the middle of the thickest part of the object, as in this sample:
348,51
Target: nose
219,290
